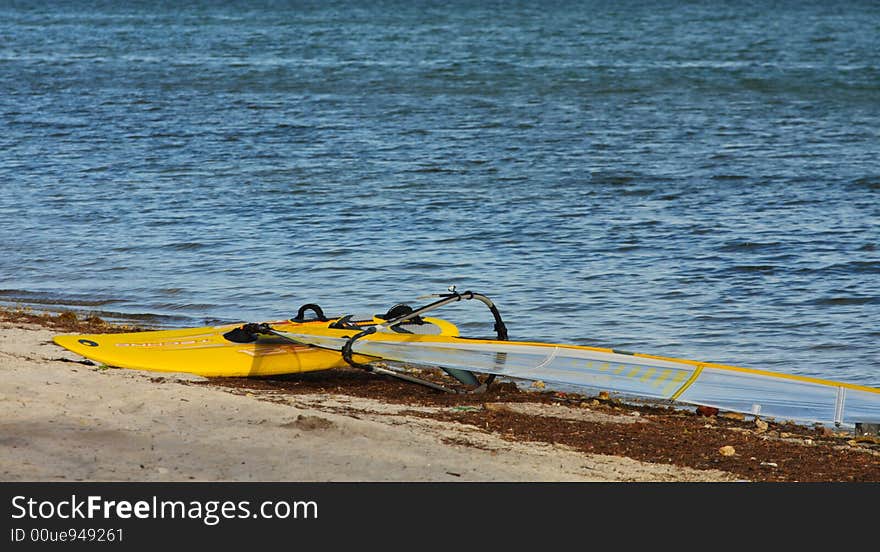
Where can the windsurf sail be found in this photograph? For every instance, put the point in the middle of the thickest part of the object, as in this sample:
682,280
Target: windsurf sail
749,391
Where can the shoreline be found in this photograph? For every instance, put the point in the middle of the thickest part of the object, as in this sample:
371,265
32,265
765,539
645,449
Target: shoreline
66,419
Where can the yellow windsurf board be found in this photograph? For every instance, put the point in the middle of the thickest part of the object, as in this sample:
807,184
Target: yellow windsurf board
206,352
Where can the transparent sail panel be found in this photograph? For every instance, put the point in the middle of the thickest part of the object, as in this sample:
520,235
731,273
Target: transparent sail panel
780,398
754,392
603,371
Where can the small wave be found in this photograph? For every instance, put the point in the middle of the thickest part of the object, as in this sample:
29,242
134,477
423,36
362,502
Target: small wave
95,169
733,247
424,265
829,346
755,268
414,132
841,301
869,182
637,192
611,178
339,252
142,318
432,170
181,307
186,246
27,298
260,107
854,267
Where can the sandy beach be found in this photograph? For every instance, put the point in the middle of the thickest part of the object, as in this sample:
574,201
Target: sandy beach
67,419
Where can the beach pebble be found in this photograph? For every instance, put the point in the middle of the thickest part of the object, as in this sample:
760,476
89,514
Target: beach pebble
727,450
707,411
761,425
538,384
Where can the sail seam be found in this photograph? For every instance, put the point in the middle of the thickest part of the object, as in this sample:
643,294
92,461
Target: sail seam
548,360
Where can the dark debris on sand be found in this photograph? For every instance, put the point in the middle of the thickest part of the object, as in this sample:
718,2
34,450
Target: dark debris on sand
66,321
775,452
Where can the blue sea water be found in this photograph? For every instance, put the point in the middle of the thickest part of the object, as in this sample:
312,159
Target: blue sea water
692,179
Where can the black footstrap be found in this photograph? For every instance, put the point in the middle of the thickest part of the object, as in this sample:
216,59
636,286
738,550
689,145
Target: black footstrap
247,333
301,313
